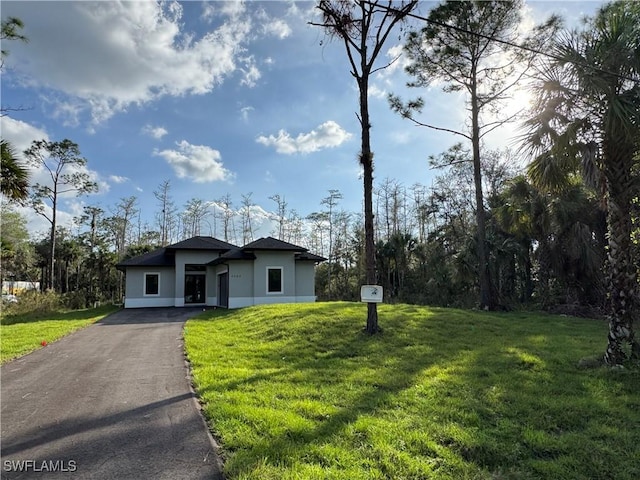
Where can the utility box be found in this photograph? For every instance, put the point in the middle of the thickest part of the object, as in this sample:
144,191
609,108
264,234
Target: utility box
371,294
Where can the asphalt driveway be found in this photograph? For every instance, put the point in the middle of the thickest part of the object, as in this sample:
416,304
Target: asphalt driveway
112,401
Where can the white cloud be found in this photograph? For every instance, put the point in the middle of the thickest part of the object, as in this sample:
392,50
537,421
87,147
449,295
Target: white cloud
250,73
103,187
107,56
245,111
396,62
233,9
376,91
396,59
198,163
272,26
68,111
528,20
118,179
327,135
155,132
300,14
20,134
401,137
75,207
208,11
277,27
268,177
212,10
263,222
256,211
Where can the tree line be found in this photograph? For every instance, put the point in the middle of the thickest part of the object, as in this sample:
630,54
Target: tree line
545,250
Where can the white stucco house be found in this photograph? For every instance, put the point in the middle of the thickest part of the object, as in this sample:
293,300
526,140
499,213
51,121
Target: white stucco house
205,271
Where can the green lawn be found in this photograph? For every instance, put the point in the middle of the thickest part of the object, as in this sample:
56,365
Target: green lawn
22,334
299,392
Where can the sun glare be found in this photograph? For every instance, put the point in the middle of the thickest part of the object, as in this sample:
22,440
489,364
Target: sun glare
521,100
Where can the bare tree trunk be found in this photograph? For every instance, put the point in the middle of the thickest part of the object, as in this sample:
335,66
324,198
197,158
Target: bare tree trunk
247,230
366,159
483,266
66,276
52,239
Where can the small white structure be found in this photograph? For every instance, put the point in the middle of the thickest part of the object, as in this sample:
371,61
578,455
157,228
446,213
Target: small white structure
371,294
18,286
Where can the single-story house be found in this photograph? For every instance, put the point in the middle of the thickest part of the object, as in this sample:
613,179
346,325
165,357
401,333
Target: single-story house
205,271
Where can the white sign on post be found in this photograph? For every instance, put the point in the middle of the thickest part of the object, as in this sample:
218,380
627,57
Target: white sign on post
371,293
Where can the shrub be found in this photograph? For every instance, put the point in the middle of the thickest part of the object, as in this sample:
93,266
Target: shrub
34,302
75,300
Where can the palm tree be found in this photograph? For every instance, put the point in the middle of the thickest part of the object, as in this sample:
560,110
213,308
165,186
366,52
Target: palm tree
522,212
15,177
588,113
566,230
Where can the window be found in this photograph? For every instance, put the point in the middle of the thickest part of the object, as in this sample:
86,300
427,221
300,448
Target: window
195,268
274,279
152,284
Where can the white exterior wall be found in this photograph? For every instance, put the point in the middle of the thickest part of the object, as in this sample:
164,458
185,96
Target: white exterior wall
306,280
241,279
212,285
134,288
265,260
298,280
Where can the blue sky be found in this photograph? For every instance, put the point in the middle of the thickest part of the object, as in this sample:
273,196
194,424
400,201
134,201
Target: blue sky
217,97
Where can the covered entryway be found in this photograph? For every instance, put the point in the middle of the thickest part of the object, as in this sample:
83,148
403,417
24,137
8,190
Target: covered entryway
195,284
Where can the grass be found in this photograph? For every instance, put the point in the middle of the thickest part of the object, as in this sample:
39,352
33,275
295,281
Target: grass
299,392
24,333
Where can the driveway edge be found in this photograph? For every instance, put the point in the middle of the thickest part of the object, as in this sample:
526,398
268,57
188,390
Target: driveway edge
215,446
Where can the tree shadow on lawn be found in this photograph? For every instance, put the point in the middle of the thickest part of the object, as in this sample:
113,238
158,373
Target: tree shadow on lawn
504,387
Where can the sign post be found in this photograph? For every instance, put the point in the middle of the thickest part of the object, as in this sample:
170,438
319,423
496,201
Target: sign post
371,294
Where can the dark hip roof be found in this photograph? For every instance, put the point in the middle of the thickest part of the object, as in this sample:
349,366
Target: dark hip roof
237,254
271,243
201,243
309,257
155,258
163,257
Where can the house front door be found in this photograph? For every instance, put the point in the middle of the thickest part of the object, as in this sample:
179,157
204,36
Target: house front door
194,288
223,290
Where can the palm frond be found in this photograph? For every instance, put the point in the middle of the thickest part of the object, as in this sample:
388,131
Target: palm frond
14,180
